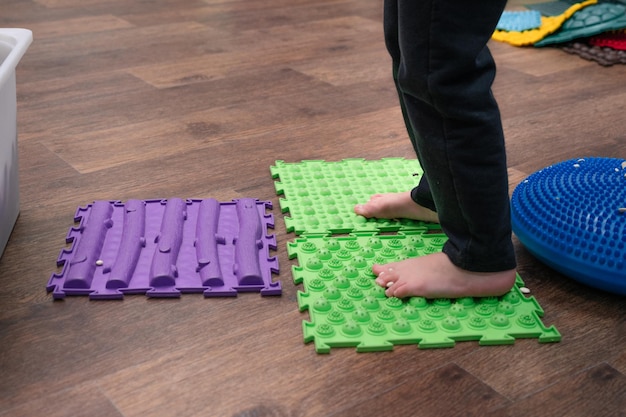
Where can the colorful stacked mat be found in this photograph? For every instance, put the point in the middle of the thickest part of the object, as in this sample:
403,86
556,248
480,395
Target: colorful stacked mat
594,30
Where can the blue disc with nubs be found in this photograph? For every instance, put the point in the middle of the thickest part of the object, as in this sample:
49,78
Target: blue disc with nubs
572,217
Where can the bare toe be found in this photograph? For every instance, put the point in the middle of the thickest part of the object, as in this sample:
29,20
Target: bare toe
362,210
386,275
397,289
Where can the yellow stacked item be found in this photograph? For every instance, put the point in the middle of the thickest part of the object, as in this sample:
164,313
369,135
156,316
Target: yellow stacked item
548,26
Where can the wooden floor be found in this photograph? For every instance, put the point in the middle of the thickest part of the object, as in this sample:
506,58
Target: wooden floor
123,99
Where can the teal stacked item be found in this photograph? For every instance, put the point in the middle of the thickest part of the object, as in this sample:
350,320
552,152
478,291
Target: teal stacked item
552,8
572,216
587,22
346,307
555,8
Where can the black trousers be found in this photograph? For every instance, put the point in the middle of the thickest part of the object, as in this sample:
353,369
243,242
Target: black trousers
443,72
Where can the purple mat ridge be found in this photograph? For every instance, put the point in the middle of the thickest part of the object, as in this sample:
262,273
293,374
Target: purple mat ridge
163,248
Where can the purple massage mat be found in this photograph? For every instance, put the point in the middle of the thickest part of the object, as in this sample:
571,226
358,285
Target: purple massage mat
162,248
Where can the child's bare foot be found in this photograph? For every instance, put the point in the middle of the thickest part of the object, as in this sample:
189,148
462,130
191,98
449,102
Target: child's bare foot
435,276
395,206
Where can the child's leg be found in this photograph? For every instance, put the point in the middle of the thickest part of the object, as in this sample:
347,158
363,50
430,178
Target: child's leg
444,75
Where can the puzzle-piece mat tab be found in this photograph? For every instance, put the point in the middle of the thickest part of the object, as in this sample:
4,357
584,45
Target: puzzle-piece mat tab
320,196
348,309
163,248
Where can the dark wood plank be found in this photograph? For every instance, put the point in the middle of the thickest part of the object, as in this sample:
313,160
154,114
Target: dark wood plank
80,400
600,390
449,390
195,99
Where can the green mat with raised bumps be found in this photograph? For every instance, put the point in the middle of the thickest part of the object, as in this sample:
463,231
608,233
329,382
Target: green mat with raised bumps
320,196
346,308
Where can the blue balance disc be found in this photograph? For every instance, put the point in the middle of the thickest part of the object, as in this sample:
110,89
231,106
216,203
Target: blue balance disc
572,216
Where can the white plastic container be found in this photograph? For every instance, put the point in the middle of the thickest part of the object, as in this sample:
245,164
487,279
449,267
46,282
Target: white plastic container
13,45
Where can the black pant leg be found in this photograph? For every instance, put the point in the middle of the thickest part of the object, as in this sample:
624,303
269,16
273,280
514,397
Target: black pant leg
444,72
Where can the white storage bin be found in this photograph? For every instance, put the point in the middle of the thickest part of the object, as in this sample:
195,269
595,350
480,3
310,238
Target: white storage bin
13,45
